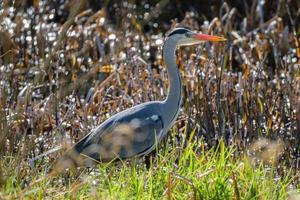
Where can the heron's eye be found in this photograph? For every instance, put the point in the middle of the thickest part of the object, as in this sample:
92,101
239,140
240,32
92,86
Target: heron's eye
188,35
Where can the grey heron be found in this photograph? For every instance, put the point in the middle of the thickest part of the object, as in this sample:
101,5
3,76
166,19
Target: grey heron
137,130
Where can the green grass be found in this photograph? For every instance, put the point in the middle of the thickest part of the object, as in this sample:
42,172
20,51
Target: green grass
182,173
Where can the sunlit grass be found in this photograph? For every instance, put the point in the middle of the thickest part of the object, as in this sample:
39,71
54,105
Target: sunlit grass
180,173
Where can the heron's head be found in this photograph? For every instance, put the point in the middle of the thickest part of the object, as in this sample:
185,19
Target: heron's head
186,37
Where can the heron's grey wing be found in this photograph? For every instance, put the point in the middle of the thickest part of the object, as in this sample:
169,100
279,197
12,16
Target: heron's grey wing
126,137
92,136
145,131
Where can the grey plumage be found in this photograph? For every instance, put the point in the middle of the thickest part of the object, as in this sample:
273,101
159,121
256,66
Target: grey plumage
132,132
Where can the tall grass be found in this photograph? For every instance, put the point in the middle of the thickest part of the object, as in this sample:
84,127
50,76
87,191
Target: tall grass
185,172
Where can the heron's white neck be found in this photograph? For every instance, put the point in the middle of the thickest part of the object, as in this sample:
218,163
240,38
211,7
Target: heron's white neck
173,101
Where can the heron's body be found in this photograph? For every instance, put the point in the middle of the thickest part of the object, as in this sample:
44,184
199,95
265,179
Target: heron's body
132,132
126,134
137,130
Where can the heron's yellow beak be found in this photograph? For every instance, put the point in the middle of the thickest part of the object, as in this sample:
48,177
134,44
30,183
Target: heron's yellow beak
212,38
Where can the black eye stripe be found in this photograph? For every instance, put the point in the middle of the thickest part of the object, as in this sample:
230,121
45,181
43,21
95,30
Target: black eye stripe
179,31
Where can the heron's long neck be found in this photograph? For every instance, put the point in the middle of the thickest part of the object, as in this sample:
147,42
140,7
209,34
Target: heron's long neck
173,100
